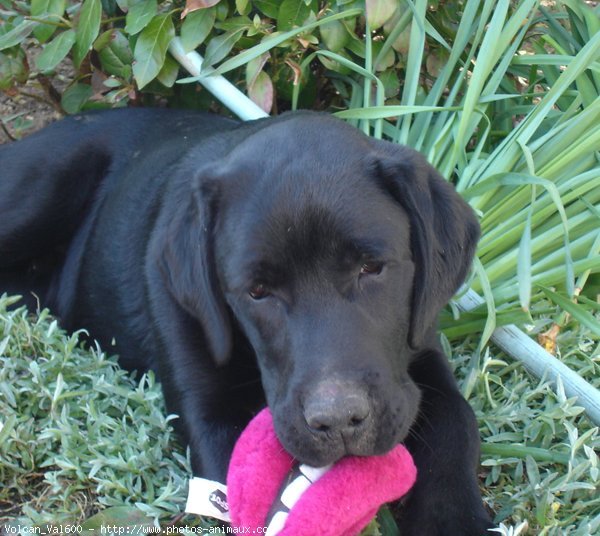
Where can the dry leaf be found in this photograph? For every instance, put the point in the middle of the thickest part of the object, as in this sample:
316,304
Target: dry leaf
548,339
193,5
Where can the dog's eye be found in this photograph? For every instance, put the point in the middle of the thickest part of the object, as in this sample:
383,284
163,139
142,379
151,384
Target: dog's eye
371,268
258,291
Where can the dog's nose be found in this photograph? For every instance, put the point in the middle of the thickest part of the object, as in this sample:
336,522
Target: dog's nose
336,407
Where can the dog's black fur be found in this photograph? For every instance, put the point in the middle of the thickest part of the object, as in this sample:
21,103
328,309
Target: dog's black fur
289,261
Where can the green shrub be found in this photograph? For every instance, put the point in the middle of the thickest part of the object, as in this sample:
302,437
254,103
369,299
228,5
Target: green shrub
76,430
118,48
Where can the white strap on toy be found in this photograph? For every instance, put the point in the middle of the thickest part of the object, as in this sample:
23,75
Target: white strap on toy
303,477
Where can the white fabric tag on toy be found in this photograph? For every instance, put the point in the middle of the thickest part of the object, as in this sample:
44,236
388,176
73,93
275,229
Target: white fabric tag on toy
207,498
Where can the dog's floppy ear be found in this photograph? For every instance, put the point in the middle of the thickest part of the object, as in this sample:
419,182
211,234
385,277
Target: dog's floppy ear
443,232
187,263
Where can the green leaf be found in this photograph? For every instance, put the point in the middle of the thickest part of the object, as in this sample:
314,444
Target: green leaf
243,6
390,82
196,27
270,8
51,9
387,60
271,42
261,91
114,53
292,13
139,15
109,7
334,35
254,67
17,34
533,473
387,523
221,45
340,62
490,322
589,303
13,68
379,12
471,322
378,112
55,51
168,74
7,427
120,516
151,49
112,83
87,29
524,265
75,97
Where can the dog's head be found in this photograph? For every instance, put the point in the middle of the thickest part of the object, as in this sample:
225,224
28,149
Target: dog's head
333,253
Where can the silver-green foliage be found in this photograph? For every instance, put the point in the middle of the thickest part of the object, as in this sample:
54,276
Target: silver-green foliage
77,430
540,463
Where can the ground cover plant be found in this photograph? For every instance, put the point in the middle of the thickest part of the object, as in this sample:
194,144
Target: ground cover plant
501,97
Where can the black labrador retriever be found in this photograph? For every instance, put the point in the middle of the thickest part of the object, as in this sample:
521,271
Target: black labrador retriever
289,261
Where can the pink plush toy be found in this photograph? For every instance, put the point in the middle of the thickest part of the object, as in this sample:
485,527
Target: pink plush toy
264,481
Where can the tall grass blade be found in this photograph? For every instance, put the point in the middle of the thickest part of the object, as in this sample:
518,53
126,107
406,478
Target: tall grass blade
578,312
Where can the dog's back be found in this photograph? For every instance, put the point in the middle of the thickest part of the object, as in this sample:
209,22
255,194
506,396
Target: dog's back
52,183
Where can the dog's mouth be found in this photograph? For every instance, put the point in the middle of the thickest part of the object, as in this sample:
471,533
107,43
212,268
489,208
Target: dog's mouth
319,449
321,422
